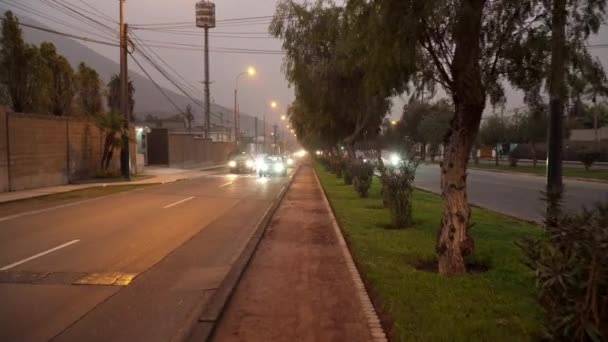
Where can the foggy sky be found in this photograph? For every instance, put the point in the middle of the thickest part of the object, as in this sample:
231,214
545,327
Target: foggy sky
254,94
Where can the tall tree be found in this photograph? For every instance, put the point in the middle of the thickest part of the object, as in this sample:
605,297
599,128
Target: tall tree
19,66
61,83
435,125
88,90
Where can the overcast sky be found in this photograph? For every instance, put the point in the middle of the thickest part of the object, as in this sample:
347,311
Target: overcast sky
254,94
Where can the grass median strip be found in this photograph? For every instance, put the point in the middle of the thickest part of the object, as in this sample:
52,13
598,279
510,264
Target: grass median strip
498,304
47,201
540,170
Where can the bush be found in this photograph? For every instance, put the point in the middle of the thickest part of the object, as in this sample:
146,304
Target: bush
588,158
570,264
362,174
348,173
100,173
325,161
337,165
398,185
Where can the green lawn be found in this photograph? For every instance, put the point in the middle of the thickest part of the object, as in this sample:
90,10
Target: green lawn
540,170
498,305
46,201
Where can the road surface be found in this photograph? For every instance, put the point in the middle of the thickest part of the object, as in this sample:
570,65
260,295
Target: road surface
61,271
514,194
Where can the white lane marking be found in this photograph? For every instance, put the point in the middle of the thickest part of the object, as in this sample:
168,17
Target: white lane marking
38,255
178,202
223,185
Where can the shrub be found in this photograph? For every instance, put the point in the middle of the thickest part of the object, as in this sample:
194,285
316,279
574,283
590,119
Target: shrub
515,155
588,158
362,174
398,185
337,165
348,173
106,174
570,263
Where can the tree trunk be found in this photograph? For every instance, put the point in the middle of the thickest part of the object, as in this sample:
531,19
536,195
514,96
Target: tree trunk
453,240
496,154
557,94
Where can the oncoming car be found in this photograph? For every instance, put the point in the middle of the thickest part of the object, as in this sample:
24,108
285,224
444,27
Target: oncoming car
241,163
271,165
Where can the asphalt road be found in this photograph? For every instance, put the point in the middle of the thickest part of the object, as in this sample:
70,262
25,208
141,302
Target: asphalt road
514,194
178,240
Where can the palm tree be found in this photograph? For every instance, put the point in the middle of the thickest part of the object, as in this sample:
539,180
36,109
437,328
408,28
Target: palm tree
114,96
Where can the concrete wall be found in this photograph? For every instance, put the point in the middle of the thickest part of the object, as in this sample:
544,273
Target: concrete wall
46,150
186,151
3,149
588,134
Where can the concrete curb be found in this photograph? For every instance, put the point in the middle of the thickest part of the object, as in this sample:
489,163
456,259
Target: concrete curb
580,179
203,327
373,322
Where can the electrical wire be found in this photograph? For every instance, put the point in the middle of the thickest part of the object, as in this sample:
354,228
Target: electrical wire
111,32
89,40
102,14
39,14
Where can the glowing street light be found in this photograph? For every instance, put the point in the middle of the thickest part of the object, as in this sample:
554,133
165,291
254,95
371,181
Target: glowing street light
394,122
251,71
283,117
273,104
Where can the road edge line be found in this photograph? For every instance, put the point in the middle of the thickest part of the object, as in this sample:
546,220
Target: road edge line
371,315
528,174
203,328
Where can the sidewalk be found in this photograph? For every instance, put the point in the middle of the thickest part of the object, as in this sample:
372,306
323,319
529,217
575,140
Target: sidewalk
301,284
152,175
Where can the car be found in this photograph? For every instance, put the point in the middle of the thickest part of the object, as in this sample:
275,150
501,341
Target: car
271,165
289,160
242,163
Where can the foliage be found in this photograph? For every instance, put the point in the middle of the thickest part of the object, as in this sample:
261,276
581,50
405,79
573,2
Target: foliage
88,90
112,125
435,125
21,70
113,96
398,185
348,173
494,131
188,117
60,87
333,101
570,264
363,174
588,157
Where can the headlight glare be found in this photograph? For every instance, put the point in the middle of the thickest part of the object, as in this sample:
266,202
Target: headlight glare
278,167
232,163
249,163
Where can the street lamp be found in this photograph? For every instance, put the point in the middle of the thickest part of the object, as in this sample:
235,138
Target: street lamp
251,72
283,117
273,104
394,122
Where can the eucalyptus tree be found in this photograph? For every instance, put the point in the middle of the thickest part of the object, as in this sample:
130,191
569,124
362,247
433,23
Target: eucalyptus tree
470,48
88,90
61,86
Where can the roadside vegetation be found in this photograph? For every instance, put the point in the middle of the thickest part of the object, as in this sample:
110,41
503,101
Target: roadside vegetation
493,304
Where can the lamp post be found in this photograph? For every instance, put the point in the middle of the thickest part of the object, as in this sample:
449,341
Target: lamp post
251,72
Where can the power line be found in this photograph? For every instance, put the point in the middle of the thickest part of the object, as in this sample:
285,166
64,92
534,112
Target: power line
266,17
39,14
90,40
156,84
83,18
102,14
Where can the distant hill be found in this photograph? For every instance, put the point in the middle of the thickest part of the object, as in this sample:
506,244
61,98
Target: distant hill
148,99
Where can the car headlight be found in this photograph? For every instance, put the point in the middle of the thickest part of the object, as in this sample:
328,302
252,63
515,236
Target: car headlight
278,167
263,166
289,161
249,164
232,163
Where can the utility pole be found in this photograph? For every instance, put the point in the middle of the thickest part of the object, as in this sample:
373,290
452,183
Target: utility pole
205,18
207,91
274,130
124,97
264,137
255,137
556,107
